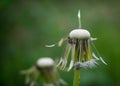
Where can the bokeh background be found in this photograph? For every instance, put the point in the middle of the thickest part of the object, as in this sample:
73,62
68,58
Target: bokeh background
26,26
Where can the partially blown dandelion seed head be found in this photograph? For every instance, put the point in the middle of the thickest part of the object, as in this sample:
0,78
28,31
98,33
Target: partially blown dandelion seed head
45,70
79,44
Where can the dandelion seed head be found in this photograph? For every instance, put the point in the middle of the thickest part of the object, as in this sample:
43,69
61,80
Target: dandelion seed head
80,34
79,46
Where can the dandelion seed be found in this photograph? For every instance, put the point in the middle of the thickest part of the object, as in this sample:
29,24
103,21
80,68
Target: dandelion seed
71,65
92,39
103,60
79,19
61,42
50,45
93,54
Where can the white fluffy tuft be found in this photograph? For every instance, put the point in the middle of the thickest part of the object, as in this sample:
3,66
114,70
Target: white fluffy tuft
79,33
45,62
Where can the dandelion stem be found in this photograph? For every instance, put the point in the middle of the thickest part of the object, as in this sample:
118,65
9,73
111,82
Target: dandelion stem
76,80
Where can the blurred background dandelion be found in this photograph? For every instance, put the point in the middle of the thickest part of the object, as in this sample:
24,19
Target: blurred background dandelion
26,26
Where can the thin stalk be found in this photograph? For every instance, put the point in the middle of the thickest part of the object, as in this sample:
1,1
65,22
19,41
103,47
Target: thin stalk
76,80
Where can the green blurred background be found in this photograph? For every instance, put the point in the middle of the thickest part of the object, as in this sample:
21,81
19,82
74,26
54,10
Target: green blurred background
26,26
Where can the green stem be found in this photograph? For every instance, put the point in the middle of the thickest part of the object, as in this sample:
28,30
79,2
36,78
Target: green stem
76,80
